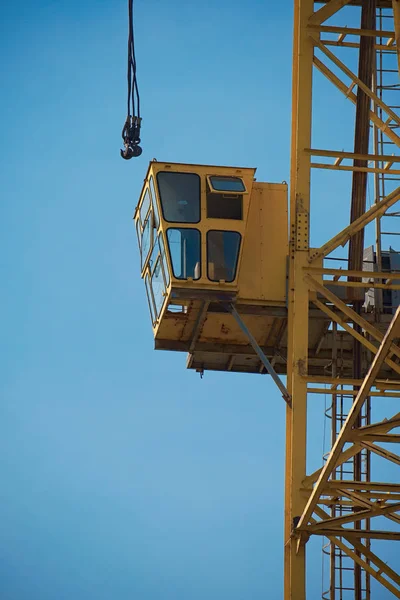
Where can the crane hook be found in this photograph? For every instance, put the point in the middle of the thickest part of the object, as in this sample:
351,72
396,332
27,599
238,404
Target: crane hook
131,137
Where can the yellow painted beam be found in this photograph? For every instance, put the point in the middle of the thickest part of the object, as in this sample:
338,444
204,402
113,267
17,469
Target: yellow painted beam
382,426
352,273
341,44
327,11
353,168
357,534
296,414
352,31
367,513
359,499
322,391
369,486
382,452
364,284
353,155
380,384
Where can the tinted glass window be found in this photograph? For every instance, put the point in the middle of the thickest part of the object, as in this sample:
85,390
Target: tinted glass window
222,255
185,252
146,241
144,209
180,197
150,298
158,287
164,258
153,256
227,184
154,202
224,206
139,234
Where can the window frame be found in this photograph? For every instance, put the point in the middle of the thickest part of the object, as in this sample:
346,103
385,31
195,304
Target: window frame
237,256
161,200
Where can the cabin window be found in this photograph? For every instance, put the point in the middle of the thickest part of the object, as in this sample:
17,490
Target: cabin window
154,204
226,184
139,234
154,255
185,252
163,258
144,209
224,206
180,196
150,298
146,240
158,286
222,255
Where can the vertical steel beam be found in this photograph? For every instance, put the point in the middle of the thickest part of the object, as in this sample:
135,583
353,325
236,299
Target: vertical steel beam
396,17
296,415
366,65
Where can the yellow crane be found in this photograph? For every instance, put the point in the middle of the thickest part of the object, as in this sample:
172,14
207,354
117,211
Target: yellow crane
231,279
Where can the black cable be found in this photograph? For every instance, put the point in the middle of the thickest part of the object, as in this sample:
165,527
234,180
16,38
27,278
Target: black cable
131,129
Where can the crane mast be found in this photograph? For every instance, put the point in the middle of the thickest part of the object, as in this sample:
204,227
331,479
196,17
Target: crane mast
340,501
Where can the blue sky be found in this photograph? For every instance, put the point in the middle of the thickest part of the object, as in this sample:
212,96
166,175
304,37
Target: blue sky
124,475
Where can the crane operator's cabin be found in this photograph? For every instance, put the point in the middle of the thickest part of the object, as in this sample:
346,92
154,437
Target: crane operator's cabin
209,236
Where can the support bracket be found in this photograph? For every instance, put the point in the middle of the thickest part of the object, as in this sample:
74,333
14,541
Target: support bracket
268,367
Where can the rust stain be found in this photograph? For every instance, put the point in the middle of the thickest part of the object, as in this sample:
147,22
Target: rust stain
302,367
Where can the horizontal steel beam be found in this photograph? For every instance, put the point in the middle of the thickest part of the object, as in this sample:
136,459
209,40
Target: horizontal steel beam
355,533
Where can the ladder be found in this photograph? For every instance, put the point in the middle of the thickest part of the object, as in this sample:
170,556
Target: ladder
387,88
347,581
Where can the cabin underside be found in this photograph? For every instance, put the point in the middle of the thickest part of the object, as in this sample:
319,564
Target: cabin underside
215,342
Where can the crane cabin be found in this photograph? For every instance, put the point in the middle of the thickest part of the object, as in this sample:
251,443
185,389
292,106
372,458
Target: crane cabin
210,236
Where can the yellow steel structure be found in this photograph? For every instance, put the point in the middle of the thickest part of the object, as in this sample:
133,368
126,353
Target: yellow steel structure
308,496
187,306
234,282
